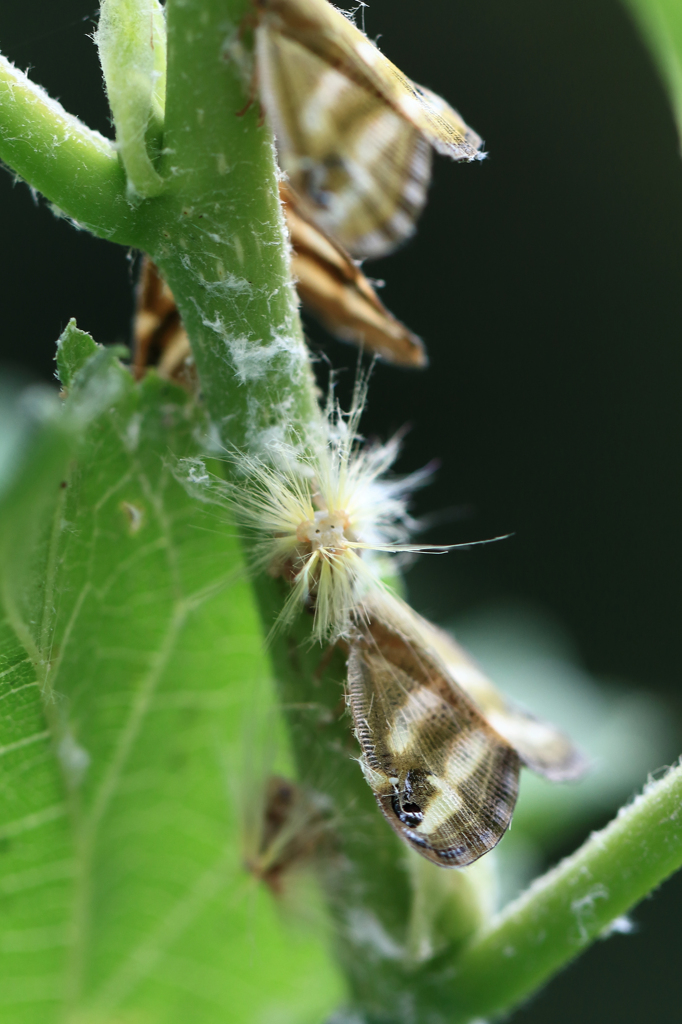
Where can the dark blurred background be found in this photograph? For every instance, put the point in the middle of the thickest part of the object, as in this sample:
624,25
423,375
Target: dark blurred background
545,282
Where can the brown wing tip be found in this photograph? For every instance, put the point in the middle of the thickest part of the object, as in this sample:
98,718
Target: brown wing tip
565,763
467,151
571,768
408,351
419,358
468,849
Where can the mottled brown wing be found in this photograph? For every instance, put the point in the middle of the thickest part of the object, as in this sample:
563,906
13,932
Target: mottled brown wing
334,289
326,32
360,168
444,779
541,746
159,339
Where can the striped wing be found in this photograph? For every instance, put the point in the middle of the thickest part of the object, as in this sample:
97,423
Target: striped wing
360,170
444,779
334,289
541,746
160,339
325,31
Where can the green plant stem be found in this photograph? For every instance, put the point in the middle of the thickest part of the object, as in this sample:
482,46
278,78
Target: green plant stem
131,37
223,248
217,231
220,238
568,908
76,168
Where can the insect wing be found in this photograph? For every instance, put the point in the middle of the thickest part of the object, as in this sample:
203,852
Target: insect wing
159,337
330,35
541,746
360,169
334,289
444,779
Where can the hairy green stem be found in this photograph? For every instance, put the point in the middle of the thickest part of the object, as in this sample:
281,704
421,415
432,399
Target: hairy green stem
568,908
131,38
76,168
221,240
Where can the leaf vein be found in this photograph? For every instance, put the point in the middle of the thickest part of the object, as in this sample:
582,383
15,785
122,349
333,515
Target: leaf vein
144,958
25,741
31,821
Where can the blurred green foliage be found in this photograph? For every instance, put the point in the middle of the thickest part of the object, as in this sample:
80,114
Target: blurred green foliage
661,25
138,726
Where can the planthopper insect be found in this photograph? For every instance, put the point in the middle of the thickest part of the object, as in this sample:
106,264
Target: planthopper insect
441,747
354,135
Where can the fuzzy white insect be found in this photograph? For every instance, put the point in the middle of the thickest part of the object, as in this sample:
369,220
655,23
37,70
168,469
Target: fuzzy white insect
325,519
325,516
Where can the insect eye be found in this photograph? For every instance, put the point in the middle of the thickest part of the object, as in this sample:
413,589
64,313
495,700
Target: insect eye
318,531
409,813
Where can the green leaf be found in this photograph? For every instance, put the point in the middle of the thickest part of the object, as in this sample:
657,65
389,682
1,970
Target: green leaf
139,726
661,24
36,851
74,348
